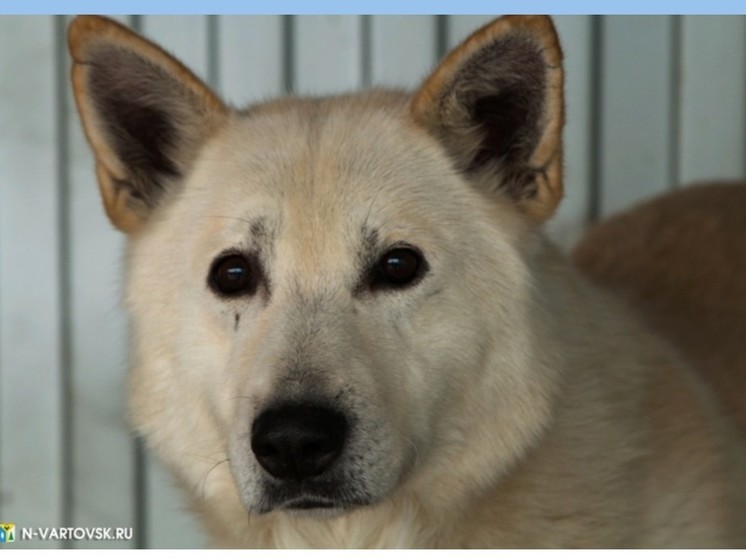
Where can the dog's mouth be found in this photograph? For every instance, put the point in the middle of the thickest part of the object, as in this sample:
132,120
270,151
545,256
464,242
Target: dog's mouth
315,506
307,503
306,499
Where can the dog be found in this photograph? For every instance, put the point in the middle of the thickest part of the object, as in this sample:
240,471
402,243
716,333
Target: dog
348,329
678,259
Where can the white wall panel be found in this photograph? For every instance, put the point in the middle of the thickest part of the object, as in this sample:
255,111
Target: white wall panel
251,51
327,54
637,99
402,49
31,428
713,98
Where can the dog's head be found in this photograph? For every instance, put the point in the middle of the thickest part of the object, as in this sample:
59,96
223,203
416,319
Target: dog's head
334,293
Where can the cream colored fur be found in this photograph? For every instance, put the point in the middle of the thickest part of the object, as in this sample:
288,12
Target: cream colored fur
503,400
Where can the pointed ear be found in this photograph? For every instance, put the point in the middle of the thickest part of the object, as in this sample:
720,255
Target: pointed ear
145,115
496,103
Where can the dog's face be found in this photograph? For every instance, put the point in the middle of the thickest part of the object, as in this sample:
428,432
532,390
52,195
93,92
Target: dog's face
326,291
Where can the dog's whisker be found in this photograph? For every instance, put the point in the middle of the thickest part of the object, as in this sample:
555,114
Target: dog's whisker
203,482
416,452
231,398
242,219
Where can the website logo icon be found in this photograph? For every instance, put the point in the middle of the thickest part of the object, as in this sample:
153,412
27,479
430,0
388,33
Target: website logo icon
7,532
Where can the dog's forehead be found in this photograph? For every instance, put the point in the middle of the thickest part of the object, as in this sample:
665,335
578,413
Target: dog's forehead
325,164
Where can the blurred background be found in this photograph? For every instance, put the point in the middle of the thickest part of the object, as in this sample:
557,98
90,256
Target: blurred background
652,102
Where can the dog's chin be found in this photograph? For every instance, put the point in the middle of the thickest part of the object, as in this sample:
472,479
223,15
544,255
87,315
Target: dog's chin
311,503
315,507
311,507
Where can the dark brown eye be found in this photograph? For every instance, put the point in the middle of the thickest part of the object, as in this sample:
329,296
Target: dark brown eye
232,275
399,267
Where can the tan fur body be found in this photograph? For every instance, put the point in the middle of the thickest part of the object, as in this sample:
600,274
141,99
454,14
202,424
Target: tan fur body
500,400
680,260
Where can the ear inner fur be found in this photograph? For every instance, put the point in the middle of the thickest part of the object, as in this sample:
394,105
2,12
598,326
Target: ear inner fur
144,114
496,103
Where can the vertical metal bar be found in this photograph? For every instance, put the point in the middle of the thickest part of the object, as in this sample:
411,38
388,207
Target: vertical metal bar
674,142
63,249
142,537
2,419
288,54
595,122
140,479
366,43
213,51
441,36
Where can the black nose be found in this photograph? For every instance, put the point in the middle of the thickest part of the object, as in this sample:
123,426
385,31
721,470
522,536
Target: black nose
298,441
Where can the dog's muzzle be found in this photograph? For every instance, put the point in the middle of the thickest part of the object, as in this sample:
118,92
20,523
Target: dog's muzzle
308,457
298,441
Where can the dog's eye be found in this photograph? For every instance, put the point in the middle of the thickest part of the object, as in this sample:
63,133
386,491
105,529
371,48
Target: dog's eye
399,267
232,275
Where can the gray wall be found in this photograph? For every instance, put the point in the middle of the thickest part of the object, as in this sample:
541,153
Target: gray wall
652,102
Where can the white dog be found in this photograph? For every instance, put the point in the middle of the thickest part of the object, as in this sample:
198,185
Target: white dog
350,331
